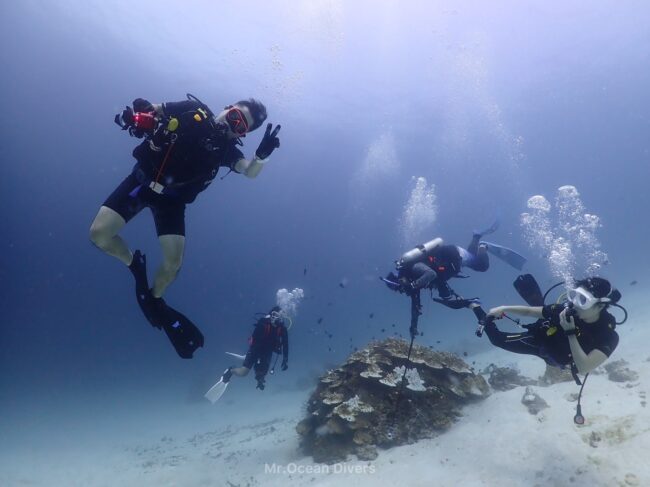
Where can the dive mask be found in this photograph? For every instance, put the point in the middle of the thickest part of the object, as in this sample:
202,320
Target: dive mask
237,121
583,299
275,316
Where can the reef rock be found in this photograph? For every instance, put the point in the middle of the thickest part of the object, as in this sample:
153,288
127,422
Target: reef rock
506,378
533,401
554,375
379,399
618,371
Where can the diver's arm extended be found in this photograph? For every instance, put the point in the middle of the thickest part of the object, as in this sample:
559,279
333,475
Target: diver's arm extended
533,311
250,168
585,362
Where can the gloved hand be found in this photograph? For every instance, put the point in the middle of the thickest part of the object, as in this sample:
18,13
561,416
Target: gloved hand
125,119
566,320
405,285
269,143
137,123
284,365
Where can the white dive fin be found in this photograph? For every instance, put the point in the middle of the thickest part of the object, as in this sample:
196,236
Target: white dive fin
216,391
236,355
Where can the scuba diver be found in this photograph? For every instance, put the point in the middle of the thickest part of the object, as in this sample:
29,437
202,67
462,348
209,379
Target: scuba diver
432,264
185,144
271,335
576,332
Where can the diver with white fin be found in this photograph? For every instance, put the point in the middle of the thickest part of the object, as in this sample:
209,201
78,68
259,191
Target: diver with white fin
432,264
271,335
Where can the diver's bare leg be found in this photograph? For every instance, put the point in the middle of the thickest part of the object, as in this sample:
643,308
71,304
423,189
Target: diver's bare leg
104,234
240,371
172,250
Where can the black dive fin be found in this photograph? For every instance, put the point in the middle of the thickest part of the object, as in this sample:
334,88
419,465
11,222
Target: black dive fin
529,290
183,334
148,304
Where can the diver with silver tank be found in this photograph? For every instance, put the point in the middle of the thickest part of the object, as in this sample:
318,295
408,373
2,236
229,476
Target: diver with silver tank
432,264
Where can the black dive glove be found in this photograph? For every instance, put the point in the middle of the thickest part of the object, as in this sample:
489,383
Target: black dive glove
127,120
269,143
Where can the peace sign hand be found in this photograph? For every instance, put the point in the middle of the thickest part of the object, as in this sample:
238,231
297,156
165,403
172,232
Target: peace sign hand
269,143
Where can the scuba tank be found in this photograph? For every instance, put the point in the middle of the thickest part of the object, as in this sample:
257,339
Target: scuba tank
419,253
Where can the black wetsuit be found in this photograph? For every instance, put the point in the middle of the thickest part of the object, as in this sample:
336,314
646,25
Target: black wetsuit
266,339
189,168
547,340
435,270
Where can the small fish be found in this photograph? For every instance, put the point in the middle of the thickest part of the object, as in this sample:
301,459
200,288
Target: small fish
329,348
329,303
355,349
634,283
393,325
437,341
341,285
383,330
371,315
319,321
304,272
464,354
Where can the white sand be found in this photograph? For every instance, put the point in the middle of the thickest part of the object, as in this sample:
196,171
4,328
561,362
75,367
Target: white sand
497,442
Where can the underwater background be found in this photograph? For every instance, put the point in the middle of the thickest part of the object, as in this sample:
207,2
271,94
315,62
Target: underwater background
490,102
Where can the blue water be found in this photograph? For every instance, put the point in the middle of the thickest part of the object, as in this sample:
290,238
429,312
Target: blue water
491,103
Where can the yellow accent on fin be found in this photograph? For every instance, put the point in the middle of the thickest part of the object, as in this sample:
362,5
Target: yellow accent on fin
197,117
551,331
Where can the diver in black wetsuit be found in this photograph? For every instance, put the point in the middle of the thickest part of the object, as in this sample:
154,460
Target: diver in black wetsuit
185,144
431,265
270,335
580,333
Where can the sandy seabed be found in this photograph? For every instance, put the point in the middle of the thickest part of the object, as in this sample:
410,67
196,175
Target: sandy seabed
245,441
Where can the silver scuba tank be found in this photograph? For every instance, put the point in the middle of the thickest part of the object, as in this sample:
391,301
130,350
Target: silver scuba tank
419,253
